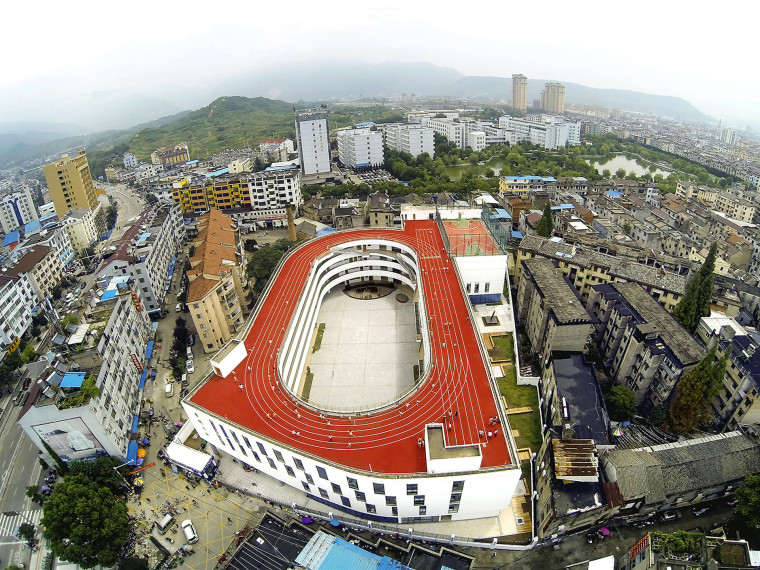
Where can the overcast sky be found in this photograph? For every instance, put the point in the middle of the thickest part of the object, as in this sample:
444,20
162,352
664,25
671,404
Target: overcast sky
669,48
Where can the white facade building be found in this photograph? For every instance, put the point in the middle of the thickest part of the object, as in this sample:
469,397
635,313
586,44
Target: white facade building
313,142
270,191
55,237
476,140
17,299
80,225
17,209
148,253
454,130
412,138
545,130
360,148
129,160
102,424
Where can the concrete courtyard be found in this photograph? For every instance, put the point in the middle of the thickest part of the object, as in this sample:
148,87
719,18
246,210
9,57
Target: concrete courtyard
367,354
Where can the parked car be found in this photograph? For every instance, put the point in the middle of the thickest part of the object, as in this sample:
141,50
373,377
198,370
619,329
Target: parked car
699,511
190,367
189,353
670,516
189,530
169,390
178,308
190,339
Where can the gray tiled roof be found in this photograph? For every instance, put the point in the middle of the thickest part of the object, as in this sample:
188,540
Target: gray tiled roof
672,469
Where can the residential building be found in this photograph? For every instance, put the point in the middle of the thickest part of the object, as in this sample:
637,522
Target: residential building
147,253
728,136
170,155
649,478
129,160
270,192
55,237
313,138
381,212
320,209
523,186
240,165
735,207
551,310
476,140
454,130
17,299
643,346
81,229
519,91
77,425
218,295
586,267
545,130
198,194
569,487
17,209
276,150
412,138
553,98
70,184
360,148
43,269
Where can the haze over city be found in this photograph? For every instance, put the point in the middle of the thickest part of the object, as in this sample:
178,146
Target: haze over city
61,59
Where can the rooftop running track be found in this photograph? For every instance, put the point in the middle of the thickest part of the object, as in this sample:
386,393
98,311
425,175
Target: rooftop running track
385,441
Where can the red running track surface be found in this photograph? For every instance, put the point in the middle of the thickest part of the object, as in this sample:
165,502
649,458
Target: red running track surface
385,441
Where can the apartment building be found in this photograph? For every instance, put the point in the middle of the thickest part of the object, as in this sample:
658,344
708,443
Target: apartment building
276,150
519,91
360,148
170,155
454,129
80,225
17,209
70,184
55,237
218,296
129,160
79,423
412,138
380,212
644,347
553,98
42,267
569,486
551,310
523,186
196,195
544,130
586,268
17,299
735,207
313,136
148,252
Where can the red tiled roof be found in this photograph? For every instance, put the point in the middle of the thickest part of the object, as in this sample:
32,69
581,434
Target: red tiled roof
385,441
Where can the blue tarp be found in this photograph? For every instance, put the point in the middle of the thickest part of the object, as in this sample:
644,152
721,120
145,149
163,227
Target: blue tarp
613,193
143,237
218,172
108,294
149,350
132,453
563,207
134,424
325,231
32,226
72,380
11,237
501,214
516,234
283,167
143,377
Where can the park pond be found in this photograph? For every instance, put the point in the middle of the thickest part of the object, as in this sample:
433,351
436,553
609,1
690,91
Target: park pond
455,172
638,166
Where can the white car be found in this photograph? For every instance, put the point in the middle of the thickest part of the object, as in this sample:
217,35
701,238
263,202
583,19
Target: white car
169,390
190,367
189,530
178,308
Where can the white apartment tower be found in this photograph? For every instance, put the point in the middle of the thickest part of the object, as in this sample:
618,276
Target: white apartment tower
360,148
17,209
519,92
414,139
553,98
313,142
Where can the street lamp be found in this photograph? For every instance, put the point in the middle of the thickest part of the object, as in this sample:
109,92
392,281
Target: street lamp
17,514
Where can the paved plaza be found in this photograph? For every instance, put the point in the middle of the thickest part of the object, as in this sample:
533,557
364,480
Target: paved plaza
368,352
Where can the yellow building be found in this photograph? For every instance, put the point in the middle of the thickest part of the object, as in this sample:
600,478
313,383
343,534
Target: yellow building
218,195
218,295
70,183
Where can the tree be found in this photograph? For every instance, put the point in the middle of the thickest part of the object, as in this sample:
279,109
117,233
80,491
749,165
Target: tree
133,563
748,501
33,492
85,523
101,471
621,404
70,319
620,173
29,354
695,304
151,199
546,225
26,531
695,390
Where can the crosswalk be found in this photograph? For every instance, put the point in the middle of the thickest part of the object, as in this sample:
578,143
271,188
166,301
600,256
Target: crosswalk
9,524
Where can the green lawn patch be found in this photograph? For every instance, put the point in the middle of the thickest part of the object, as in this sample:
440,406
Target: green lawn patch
307,385
528,425
503,348
318,340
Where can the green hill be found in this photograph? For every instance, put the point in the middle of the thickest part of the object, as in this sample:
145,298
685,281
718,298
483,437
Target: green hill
228,122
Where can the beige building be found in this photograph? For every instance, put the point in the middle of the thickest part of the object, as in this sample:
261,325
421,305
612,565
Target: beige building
43,268
519,91
218,295
551,310
553,98
380,212
70,183
81,228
